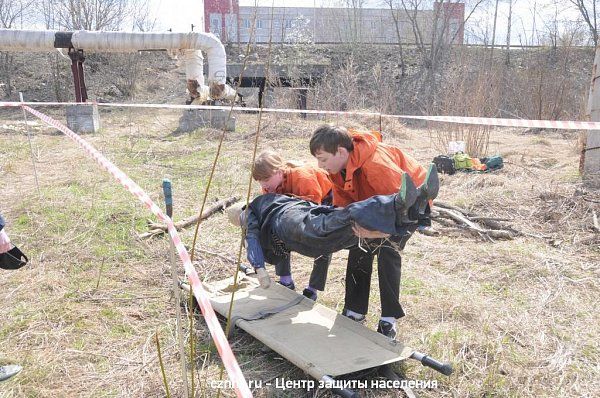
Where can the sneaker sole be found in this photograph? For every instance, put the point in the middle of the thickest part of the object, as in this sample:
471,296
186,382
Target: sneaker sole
431,186
407,194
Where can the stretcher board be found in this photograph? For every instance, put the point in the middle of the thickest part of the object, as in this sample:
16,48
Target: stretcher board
313,337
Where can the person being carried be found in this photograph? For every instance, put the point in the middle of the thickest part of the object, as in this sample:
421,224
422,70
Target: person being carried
361,166
10,258
276,225
276,175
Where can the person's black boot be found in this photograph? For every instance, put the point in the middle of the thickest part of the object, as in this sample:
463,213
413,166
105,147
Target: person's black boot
405,199
426,192
430,188
407,194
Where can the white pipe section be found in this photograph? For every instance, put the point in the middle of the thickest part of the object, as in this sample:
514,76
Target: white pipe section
194,71
26,40
194,65
132,41
29,40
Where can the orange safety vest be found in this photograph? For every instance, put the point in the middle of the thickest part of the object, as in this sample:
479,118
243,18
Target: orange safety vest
306,182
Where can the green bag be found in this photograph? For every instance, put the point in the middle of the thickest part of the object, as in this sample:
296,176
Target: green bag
462,161
494,162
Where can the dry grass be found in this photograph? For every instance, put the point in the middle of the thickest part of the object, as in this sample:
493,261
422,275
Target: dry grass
517,318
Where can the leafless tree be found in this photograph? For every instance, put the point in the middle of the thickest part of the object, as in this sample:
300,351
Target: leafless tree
433,38
589,12
355,18
396,18
508,27
97,15
142,19
12,13
92,14
494,32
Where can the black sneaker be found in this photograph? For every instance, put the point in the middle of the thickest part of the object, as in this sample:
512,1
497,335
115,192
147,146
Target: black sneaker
355,318
387,329
8,371
309,294
290,286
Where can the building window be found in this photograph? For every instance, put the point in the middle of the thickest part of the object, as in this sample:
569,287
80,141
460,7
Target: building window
214,22
260,24
246,23
288,24
453,28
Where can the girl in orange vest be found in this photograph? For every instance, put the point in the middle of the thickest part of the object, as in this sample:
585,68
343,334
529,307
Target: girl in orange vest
276,175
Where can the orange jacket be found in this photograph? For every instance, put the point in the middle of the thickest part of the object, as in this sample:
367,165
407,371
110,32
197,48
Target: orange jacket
373,168
306,182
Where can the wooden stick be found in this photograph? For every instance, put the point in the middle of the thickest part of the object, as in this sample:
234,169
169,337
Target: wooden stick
451,207
159,229
480,218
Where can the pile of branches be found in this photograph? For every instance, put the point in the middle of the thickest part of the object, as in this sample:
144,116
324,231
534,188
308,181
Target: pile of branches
454,218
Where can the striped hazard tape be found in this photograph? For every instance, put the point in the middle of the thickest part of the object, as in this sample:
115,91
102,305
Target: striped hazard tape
231,365
483,121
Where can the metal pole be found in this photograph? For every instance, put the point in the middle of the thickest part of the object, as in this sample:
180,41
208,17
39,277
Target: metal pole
37,184
590,155
166,185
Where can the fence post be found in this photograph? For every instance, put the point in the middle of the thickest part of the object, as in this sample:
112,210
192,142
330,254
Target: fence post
590,155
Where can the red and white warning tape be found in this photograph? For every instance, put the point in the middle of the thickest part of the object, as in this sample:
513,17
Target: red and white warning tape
231,365
483,121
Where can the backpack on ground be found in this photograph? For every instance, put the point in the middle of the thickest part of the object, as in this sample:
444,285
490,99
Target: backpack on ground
462,161
444,164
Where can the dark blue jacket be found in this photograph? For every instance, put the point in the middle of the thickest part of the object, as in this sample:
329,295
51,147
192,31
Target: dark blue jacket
264,210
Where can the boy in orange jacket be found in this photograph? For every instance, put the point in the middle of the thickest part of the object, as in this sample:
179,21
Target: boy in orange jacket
361,166
275,175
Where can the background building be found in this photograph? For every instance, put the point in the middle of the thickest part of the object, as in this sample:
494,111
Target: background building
233,23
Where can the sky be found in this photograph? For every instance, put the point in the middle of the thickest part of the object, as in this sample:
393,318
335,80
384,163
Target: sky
180,14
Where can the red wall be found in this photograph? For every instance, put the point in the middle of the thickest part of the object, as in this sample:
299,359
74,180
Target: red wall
221,7
452,9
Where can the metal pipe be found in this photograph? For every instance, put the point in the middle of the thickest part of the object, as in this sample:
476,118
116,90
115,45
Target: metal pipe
46,40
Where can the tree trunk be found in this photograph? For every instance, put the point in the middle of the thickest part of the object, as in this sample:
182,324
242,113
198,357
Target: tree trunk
399,35
510,4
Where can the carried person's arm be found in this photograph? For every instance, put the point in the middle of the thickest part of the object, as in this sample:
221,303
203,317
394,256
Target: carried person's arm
5,244
254,251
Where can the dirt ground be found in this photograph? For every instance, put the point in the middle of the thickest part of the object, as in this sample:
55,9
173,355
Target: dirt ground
517,318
